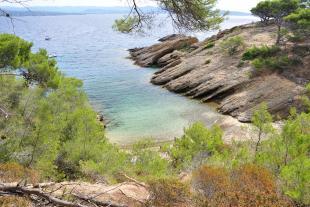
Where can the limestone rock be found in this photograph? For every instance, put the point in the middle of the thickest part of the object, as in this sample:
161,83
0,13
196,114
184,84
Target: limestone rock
207,74
149,56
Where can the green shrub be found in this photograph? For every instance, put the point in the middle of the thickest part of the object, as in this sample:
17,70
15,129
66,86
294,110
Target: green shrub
208,62
232,45
287,156
260,52
147,161
125,24
240,64
209,45
186,47
274,63
197,143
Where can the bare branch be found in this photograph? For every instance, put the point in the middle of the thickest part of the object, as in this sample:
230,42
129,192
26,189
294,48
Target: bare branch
30,191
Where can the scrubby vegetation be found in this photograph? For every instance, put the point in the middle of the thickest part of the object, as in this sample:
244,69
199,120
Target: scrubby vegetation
260,52
232,45
209,45
276,10
292,20
49,132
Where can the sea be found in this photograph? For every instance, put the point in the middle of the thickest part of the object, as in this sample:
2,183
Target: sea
87,47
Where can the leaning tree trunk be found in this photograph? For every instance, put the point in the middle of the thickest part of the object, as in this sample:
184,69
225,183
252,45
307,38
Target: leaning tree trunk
279,36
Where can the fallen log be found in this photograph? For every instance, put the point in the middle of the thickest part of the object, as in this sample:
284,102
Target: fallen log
16,190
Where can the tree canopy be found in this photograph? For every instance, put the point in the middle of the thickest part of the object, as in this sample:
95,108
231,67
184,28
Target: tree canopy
276,10
188,15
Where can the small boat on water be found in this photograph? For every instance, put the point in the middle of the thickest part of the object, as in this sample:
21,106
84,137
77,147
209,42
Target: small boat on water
52,56
47,38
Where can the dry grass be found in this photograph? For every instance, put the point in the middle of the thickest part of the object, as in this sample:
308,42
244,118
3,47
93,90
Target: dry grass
13,172
249,185
14,201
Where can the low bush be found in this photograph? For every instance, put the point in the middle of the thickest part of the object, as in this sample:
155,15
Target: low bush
209,45
274,63
186,47
197,143
260,52
147,162
232,45
169,192
212,183
247,185
240,64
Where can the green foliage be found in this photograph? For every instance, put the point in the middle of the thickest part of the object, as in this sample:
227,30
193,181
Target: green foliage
195,15
232,45
147,161
260,52
276,10
306,98
185,47
286,154
197,142
301,18
51,126
262,120
263,10
42,70
209,45
296,176
126,24
268,58
299,23
14,51
240,64
52,129
274,63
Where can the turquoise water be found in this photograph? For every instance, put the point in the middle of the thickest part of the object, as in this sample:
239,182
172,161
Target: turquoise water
88,48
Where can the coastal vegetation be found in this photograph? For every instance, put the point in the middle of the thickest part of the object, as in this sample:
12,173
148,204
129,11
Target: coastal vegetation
195,15
232,45
50,133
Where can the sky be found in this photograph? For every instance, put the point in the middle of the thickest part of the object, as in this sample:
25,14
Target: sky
232,5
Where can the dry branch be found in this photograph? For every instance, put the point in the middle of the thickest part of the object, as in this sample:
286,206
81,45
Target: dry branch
97,202
10,189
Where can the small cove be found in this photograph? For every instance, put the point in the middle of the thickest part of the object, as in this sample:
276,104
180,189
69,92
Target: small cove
87,48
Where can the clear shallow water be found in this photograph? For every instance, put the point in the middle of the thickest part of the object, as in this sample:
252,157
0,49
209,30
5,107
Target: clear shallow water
87,48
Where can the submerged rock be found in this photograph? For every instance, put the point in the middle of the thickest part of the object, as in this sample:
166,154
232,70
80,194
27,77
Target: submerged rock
203,71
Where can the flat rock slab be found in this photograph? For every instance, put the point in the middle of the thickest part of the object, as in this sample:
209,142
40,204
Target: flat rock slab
208,74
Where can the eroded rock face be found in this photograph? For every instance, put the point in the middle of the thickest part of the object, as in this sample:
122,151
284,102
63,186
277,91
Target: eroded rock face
206,73
149,56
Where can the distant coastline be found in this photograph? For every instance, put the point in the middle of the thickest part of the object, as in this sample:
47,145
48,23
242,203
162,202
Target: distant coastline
58,11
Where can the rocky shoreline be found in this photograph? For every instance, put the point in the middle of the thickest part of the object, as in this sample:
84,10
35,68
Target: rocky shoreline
200,70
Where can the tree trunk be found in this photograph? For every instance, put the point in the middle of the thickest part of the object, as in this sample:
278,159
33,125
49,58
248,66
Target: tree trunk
259,139
278,35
